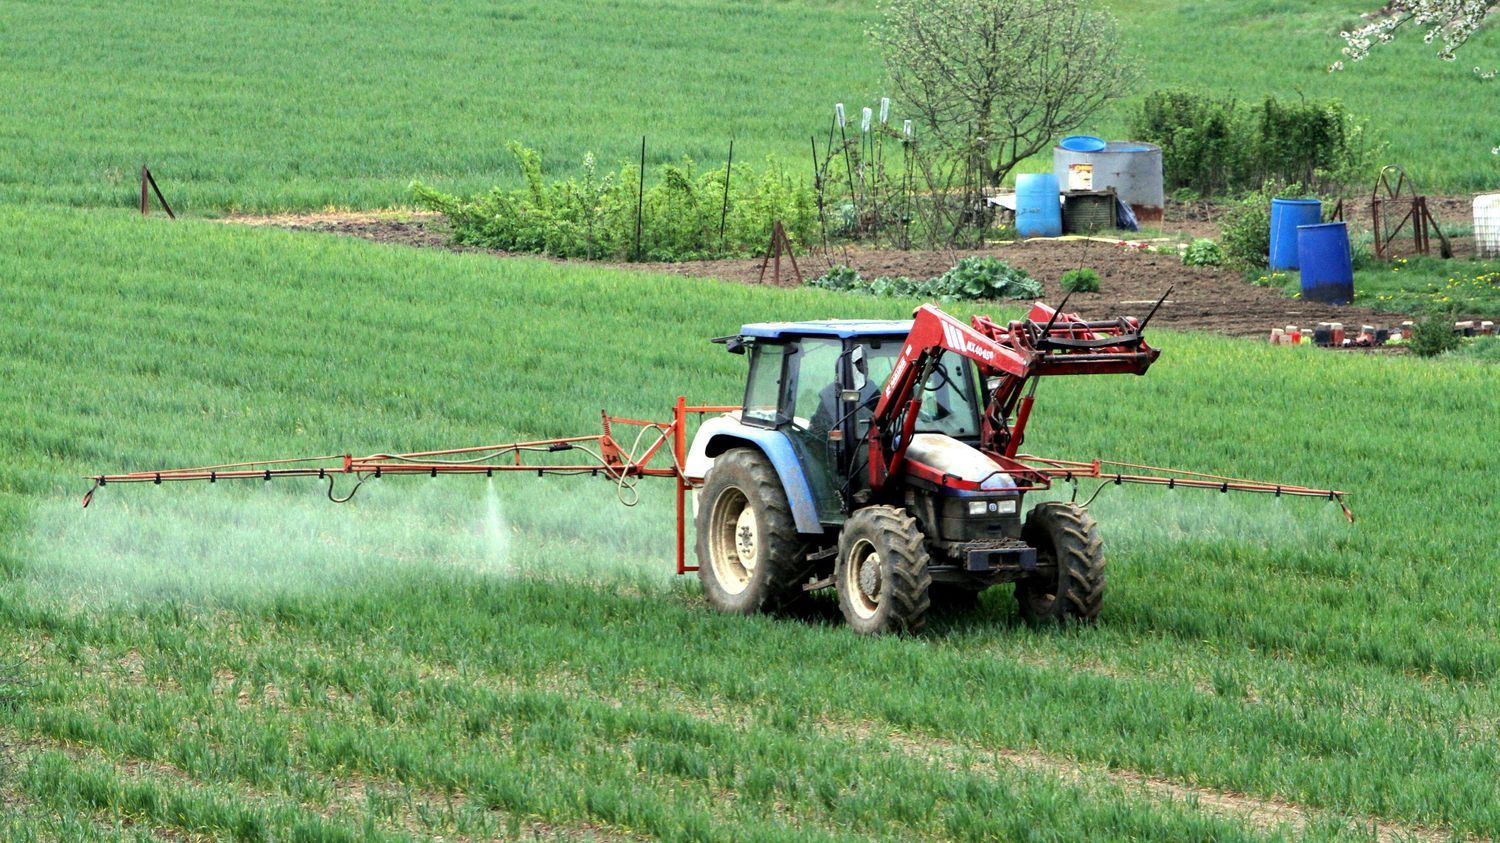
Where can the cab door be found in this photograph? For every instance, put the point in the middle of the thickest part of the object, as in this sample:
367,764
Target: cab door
815,414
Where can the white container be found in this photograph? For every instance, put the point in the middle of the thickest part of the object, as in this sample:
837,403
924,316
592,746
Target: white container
1487,225
1080,176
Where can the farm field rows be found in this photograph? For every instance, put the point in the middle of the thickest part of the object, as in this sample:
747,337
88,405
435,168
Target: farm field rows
344,104
255,662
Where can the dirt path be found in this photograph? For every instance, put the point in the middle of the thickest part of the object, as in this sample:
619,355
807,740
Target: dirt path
1131,280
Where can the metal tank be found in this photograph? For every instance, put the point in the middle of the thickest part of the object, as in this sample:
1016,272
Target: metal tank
1133,169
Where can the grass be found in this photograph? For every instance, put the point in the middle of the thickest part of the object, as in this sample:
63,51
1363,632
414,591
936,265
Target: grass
1416,285
338,104
284,668
1431,285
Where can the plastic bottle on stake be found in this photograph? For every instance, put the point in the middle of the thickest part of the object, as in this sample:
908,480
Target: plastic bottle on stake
838,113
906,129
864,121
885,110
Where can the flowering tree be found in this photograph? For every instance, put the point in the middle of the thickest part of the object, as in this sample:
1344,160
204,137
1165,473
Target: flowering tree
999,80
1448,22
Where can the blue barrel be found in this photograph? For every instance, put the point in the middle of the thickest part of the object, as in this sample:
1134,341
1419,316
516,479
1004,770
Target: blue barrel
1038,208
1327,265
1286,216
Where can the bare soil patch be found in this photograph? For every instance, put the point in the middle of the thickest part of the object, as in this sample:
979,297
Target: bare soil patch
1202,298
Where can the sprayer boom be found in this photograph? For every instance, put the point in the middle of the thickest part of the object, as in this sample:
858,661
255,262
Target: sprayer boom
822,471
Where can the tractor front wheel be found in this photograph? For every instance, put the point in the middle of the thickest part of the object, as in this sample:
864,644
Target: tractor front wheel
748,550
1071,588
881,572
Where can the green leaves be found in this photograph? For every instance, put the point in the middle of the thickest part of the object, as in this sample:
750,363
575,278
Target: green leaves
973,279
684,214
1214,145
987,277
1203,252
1081,280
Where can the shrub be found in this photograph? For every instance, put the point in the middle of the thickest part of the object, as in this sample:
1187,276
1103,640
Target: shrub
1082,280
1432,335
1245,228
593,216
1213,146
1204,145
1205,252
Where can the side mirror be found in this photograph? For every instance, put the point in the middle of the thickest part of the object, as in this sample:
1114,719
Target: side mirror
857,363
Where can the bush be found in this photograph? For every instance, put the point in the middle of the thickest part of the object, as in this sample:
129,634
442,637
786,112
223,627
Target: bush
1245,228
1204,145
1213,146
1080,281
593,216
972,279
1433,335
1205,252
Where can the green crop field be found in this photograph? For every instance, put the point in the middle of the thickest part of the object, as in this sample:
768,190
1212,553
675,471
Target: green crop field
440,659
265,106
460,658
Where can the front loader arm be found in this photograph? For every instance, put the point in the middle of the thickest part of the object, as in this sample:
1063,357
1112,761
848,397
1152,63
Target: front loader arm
932,333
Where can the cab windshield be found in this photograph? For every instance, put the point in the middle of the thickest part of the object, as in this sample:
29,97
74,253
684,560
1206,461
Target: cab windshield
950,398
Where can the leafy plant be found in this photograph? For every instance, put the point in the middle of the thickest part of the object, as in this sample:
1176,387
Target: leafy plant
897,287
972,279
1203,252
1082,280
986,277
1203,143
1433,334
1245,228
1213,146
841,277
594,216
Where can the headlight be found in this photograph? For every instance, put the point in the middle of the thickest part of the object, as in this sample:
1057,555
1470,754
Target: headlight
1006,507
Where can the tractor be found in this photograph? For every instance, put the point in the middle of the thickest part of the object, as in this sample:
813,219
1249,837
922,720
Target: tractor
877,458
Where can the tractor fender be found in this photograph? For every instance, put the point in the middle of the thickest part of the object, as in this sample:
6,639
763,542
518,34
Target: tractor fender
720,434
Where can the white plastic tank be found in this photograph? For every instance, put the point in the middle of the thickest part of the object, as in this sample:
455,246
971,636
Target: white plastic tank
1487,225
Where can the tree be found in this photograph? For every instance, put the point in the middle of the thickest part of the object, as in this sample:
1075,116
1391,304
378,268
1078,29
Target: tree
1449,22
1001,79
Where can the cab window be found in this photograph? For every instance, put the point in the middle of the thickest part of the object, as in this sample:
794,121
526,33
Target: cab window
950,399
816,403
763,392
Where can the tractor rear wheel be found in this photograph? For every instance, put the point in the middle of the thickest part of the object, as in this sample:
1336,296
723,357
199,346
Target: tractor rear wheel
1067,544
749,554
881,572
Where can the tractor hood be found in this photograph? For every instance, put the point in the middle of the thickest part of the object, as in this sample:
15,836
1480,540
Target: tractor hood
952,457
